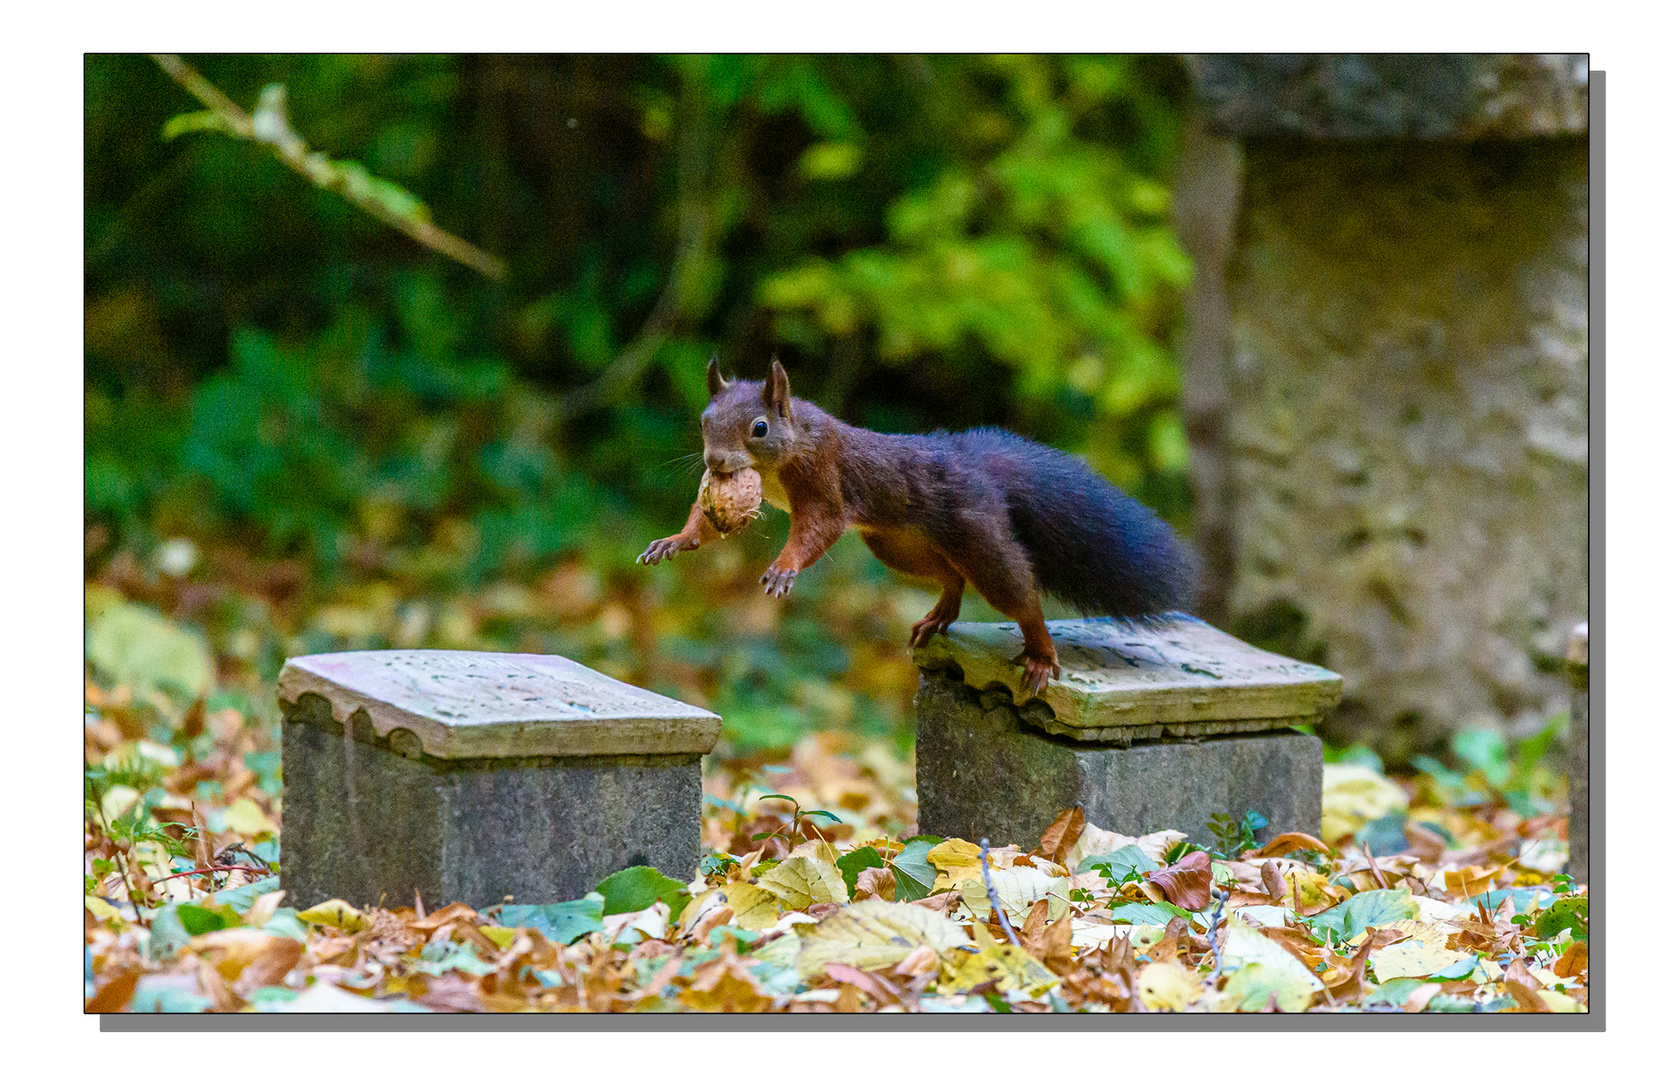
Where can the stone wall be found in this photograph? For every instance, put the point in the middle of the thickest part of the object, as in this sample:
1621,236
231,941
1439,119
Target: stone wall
1399,472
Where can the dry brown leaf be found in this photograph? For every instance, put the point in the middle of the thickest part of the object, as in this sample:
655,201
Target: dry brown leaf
1293,841
115,995
1188,883
1273,884
1572,963
1062,834
874,881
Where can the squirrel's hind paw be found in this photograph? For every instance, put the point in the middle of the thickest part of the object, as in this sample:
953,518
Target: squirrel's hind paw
1036,678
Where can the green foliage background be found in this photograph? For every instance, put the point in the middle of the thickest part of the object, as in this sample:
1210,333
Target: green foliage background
925,241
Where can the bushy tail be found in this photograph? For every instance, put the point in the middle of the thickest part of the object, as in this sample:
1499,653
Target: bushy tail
1090,543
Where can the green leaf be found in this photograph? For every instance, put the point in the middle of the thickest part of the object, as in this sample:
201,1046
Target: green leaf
913,873
861,858
241,898
438,957
1120,864
134,646
1569,913
164,994
1372,908
639,887
1394,992
564,922
1484,749
205,120
200,920
1159,914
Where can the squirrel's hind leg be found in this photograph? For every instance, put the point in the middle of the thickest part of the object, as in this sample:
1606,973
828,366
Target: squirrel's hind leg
910,553
998,567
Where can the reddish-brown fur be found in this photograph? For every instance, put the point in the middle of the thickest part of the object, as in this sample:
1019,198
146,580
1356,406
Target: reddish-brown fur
941,507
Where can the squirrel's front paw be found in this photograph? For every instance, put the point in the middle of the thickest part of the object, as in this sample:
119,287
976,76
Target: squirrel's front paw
777,580
658,550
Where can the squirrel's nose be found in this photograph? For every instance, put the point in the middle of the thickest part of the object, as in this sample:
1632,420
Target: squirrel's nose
722,462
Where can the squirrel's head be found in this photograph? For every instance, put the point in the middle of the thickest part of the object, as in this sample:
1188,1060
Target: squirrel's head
747,424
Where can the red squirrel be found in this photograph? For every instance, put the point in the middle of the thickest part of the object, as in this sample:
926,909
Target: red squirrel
1011,517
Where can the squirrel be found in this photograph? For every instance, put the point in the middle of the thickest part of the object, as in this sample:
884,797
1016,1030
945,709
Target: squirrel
1011,517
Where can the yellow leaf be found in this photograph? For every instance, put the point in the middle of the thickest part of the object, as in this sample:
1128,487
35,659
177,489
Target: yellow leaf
1164,986
246,818
336,913
956,860
101,909
871,934
1006,967
1468,881
1018,888
499,936
1352,795
1312,890
802,881
1255,985
1560,1003
753,908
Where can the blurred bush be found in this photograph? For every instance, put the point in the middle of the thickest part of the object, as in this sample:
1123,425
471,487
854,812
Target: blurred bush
926,241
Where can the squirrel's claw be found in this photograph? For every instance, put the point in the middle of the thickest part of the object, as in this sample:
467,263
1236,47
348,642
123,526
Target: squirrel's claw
658,550
777,581
1038,671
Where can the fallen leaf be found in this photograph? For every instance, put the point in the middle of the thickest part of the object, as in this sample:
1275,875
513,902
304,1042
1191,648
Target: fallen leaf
1062,834
802,881
1018,889
1003,967
245,817
336,913
872,934
753,907
878,882
1293,841
956,861
1352,795
1188,883
1168,987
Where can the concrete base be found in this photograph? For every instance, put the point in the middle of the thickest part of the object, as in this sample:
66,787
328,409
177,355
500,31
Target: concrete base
982,772
368,824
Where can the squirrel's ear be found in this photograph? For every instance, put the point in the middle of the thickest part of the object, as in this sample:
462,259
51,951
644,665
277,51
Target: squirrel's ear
716,383
775,393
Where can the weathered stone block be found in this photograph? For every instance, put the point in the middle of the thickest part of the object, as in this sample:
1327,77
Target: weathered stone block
1392,96
1577,666
478,776
982,772
1387,376
1148,727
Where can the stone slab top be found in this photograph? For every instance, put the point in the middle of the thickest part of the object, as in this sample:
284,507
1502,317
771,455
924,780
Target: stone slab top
1114,674
498,705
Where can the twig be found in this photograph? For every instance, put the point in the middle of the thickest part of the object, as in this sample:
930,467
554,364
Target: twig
1211,936
991,893
269,125
213,870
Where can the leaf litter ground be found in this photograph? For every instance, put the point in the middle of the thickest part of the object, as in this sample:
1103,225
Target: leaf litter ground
1433,893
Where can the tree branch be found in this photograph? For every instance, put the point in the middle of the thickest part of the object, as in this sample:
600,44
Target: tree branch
379,198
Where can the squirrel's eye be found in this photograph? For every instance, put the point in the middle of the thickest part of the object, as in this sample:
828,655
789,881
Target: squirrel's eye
759,431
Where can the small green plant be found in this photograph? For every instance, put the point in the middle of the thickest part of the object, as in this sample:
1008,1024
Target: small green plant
793,832
1496,770
1233,836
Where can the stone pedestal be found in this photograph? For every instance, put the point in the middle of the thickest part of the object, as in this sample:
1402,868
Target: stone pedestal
1147,728
1386,376
1577,666
477,776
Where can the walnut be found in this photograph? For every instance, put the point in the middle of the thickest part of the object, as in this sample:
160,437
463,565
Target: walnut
730,502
